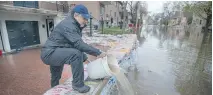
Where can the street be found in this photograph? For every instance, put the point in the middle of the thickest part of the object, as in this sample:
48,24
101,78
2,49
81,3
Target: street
173,62
163,47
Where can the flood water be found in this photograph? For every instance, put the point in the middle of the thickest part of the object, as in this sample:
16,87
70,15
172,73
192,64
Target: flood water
173,61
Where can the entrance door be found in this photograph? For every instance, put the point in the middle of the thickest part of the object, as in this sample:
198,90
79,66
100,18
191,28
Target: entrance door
50,26
22,33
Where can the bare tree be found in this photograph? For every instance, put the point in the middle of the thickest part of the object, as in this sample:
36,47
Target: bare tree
169,9
124,19
131,8
142,11
167,12
137,10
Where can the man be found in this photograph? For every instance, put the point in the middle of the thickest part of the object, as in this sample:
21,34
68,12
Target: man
65,46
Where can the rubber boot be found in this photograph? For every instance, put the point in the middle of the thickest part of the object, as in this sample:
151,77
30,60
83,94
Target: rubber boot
83,89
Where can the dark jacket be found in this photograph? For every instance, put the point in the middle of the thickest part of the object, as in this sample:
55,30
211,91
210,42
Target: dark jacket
67,34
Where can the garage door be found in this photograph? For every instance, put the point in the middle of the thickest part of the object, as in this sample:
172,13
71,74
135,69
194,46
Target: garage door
22,33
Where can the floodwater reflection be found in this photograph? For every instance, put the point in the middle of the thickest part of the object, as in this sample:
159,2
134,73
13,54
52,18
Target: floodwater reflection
173,61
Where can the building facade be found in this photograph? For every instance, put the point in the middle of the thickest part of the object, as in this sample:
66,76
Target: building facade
113,13
26,24
102,10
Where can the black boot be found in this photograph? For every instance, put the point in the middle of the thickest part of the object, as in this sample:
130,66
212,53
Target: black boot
83,89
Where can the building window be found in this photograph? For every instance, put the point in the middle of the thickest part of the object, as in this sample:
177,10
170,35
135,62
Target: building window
72,5
200,21
115,14
28,4
197,20
51,1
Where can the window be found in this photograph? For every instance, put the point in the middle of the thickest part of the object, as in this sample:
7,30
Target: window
197,20
115,14
102,11
28,4
51,1
200,21
72,5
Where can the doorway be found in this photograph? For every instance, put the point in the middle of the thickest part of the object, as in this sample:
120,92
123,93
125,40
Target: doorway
50,26
22,33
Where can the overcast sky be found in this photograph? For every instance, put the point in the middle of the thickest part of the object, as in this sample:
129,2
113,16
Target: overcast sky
155,6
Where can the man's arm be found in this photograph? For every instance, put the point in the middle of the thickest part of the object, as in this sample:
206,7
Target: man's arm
78,43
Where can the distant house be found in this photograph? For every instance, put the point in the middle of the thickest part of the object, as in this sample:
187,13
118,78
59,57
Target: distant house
193,19
113,13
96,8
198,21
186,18
177,19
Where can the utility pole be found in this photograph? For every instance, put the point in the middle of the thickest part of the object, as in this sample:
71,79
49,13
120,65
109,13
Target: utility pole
102,24
90,25
141,21
136,26
136,17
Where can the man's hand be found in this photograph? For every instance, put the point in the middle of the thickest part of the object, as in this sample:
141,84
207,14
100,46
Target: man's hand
87,62
103,54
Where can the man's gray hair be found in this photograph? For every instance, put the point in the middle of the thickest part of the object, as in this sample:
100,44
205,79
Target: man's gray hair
77,14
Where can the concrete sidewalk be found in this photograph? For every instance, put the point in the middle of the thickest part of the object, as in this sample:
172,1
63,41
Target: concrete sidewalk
121,46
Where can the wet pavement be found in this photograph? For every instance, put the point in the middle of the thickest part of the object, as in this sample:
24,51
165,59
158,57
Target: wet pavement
24,73
173,61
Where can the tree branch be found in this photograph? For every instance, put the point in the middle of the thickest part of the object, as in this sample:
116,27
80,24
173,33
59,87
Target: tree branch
197,12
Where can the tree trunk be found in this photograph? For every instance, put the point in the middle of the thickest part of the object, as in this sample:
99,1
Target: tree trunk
124,16
136,24
141,23
136,21
208,22
209,17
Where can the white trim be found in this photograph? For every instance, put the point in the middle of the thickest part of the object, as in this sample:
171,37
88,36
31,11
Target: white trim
5,36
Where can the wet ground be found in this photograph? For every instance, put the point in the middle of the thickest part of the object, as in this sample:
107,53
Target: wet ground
24,73
173,61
